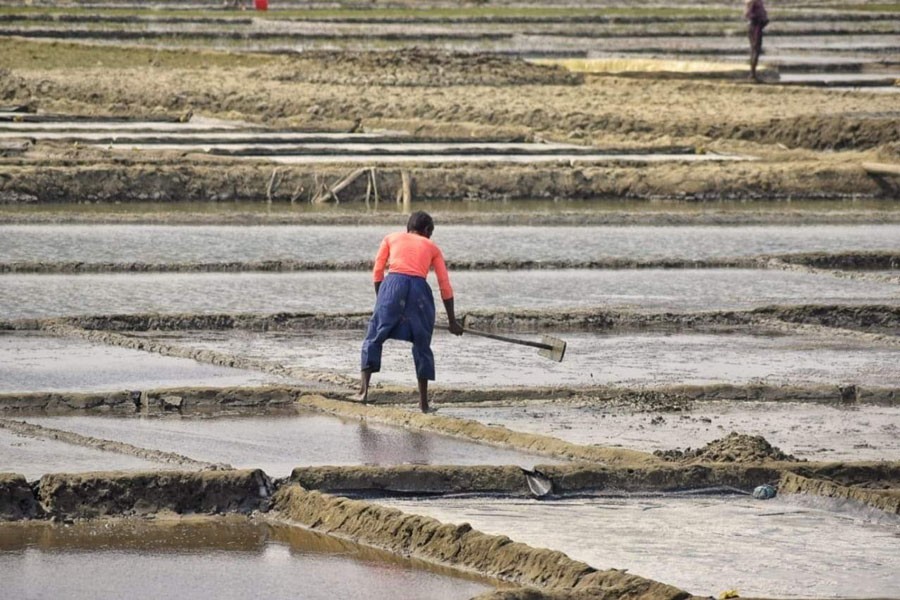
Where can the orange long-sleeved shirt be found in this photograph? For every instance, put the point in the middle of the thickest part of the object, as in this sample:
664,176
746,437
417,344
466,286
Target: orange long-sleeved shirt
412,254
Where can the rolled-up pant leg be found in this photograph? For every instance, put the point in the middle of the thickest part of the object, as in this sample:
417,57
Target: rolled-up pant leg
421,314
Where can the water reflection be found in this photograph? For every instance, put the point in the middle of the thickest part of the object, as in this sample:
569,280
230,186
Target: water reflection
383,447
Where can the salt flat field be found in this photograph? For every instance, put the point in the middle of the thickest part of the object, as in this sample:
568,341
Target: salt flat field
40,363
635,360
176,244
279,444
31,296
781,548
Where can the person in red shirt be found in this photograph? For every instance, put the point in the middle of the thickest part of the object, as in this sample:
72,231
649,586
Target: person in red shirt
755,12
404,302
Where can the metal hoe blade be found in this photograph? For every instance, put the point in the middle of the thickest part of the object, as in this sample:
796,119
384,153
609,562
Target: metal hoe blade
557,348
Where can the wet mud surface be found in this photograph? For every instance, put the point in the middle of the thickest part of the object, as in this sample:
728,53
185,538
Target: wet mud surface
809,431
209,559
763,548
619,360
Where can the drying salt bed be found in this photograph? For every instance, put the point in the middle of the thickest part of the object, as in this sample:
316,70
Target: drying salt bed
209,559
34,458
788,547
626,360
180,244
32,296
807,430
40,363
279,444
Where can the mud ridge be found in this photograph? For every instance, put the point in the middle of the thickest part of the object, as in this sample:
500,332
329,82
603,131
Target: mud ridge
887,499
69,437
100,494
182,400
287,265
460,546
213,179
735,447
534,218
842,264
508,480
872,318
780,264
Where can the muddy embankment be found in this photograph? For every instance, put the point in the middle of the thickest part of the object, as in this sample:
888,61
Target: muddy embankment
870,318
847,262
228,181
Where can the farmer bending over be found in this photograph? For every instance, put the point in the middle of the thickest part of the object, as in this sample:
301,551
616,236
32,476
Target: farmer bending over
404,304
755,12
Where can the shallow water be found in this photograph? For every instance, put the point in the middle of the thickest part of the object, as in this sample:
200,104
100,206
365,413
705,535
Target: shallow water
782,548
214,559
807,430
23,296
626,360
279,444
39,363
173,244
34,458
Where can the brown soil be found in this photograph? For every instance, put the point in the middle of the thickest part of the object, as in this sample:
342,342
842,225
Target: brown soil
735,447
440,94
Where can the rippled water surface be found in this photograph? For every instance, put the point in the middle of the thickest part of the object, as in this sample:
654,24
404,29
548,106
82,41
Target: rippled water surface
780,548
210,559
709,289
158,243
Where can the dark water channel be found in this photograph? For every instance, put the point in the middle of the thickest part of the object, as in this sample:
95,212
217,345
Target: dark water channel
231,558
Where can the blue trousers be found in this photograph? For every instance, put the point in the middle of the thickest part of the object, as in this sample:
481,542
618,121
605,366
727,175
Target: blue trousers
404,310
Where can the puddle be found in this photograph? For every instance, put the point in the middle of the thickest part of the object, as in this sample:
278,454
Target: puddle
32,363
781,548
24,296
34,458
222,558
171,244
807,430
278,444
624,360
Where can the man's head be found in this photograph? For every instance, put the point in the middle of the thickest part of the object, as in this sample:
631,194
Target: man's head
420,222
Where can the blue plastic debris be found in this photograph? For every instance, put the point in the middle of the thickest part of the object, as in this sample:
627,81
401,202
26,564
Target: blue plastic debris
764,492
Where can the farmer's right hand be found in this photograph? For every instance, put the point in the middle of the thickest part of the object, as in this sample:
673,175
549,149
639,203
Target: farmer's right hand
455,327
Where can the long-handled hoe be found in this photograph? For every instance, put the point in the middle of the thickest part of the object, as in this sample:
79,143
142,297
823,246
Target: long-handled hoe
549,346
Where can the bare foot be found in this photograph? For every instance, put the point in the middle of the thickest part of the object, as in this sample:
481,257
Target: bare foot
361,397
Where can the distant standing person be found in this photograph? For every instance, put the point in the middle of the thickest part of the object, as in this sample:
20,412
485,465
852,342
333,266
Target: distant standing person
755,13
404,303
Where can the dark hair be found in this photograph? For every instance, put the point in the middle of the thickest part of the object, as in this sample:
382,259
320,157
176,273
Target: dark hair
421,222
